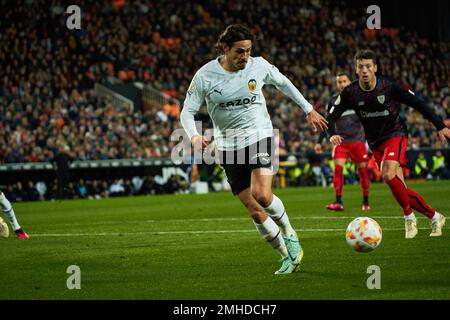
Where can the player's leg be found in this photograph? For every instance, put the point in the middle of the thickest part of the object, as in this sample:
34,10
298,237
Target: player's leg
268,229
420,205
261,191
392,175
239,178
360,156
339,159
364,182
4,230
10,214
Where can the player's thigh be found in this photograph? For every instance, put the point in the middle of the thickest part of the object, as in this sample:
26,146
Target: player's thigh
340,152
339,162
261,185
389,169
238,176
358,152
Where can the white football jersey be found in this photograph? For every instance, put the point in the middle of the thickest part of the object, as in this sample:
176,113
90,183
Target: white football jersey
235,101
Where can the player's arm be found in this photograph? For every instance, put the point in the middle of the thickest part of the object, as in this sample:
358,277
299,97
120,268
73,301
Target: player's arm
195,97
322,135
338,107
282,83
410,99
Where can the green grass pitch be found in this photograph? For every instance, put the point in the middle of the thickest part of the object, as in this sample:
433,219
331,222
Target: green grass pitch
206,247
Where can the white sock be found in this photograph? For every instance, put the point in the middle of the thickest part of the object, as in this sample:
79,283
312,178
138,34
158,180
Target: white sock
9,211
271,233
410,216
436,216
278,214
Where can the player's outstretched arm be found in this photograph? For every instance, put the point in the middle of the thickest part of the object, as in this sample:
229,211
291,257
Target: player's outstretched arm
410,99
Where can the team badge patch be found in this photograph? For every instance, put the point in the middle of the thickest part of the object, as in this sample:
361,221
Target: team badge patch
251,84
381,99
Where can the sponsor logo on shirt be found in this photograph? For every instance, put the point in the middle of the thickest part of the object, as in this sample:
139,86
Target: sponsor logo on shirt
238,102
375,114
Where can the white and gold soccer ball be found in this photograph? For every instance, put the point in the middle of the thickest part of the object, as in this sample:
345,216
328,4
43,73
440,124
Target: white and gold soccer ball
363,234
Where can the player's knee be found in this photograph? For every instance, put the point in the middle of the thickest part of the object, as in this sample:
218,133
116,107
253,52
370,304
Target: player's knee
262,197
388,175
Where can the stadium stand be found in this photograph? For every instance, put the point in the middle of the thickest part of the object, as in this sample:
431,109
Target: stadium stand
48,72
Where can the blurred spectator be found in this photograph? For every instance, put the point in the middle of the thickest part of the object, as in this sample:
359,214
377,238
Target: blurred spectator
440,170
62,165
117,189
32,192
421,168
82,190
48,72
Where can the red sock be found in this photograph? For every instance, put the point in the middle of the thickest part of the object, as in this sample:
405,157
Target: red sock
400,194
364,181
338,180
419,204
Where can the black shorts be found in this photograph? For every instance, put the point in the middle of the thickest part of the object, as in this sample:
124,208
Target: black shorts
239,164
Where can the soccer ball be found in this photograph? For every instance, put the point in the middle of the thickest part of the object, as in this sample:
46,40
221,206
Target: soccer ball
363,234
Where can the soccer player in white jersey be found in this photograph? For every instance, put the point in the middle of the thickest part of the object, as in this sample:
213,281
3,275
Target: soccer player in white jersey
9,212
232,85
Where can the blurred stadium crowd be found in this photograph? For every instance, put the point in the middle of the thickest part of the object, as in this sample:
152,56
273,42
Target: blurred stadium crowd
48,72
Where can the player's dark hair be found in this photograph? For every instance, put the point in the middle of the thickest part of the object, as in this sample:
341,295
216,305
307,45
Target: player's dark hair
366,54
232,34
341,74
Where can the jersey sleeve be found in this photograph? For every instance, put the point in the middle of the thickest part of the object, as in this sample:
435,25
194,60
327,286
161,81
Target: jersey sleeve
336,109
195,97
410,99
281,82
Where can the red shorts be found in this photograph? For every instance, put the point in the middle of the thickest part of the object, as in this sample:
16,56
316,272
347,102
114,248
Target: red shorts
392,149
357,151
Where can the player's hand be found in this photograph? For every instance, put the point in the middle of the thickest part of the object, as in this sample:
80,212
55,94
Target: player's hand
444,134
336,140
200,143
318,148
316,120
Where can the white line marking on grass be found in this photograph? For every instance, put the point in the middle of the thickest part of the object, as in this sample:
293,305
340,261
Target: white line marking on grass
186,232
290,218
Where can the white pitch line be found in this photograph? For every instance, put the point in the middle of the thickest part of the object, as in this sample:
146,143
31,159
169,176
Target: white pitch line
186,232
290,218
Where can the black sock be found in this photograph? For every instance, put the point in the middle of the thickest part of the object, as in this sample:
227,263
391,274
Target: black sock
339,199
366,200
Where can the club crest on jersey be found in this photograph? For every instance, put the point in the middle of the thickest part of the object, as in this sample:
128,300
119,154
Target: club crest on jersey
251,84
381,99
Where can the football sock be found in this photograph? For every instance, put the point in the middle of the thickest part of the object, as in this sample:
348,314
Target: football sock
419,204
364,181
338,180
339,199
9,211
400,194
272,234
366,200
436,216
278,214
410,216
